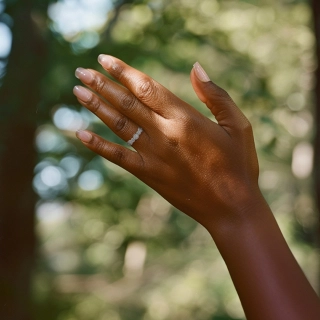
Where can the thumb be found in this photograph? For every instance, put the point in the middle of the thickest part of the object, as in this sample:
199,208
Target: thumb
217,100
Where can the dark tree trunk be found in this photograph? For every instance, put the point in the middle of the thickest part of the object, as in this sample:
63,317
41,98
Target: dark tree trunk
19,97
316,15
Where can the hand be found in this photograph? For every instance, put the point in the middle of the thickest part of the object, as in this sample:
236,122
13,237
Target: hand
205,169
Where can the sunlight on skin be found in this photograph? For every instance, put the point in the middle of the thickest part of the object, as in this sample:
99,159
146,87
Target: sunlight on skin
160,300
227,151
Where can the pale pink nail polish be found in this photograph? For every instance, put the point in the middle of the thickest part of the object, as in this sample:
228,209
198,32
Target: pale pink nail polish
105,60
200,73
84,75
82,93
84,136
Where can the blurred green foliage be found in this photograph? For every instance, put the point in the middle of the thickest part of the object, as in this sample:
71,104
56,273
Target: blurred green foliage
110,248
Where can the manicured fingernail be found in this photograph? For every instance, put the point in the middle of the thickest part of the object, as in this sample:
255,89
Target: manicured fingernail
84,136
84,75
82,93
105,60
200,73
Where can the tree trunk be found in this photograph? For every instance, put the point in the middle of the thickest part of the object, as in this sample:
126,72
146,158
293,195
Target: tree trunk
316,15
19,97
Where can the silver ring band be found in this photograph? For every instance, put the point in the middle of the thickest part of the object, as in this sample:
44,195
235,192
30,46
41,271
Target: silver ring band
135,136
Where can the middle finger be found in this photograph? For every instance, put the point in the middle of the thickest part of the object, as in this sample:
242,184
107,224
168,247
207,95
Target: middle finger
116,121
118,96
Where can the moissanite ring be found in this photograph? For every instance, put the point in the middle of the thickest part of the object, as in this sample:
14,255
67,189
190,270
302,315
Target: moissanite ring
135,136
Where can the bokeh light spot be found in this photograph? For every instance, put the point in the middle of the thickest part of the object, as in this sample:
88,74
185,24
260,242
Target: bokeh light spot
67,119
90,180
70,17
302,160
134,259
51,176
71,165
47,139
5,40
52,212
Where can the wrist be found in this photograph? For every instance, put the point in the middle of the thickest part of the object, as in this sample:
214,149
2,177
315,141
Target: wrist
262,266
249,211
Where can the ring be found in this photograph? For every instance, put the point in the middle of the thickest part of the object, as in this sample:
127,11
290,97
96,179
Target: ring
135,136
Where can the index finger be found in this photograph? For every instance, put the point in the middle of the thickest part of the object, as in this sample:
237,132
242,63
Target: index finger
147,90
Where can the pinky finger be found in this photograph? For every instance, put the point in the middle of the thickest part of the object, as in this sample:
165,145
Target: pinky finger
123,157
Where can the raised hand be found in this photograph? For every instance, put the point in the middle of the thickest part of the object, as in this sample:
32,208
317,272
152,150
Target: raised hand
206,170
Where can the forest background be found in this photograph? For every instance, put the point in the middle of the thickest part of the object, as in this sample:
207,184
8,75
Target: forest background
81,239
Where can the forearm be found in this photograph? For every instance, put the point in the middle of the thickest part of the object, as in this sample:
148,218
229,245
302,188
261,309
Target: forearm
201,162
270,283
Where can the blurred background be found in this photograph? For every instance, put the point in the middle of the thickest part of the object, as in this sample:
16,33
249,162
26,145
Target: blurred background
80,238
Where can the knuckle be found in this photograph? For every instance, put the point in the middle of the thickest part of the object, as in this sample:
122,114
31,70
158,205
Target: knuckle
220,92
247,126
98,84
117,71
94,104
118,155
128,102
244,126
173,141
100,146
217,92
121,123
175,132
145,89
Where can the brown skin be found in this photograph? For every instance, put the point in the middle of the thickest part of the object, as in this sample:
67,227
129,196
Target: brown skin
209,171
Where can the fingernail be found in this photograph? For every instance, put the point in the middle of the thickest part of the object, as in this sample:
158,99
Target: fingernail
105,60
84,136
200,73
82,93
84,75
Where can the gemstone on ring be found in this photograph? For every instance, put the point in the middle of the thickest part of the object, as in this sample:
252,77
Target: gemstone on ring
135,137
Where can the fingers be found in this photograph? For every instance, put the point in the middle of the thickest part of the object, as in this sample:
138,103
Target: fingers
145,89
123,157
116,121
119,97
218,101
228,115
